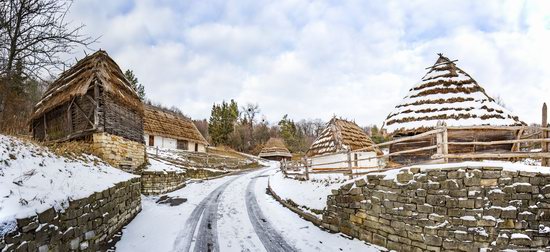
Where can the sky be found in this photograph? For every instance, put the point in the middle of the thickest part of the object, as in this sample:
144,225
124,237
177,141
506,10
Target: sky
317,59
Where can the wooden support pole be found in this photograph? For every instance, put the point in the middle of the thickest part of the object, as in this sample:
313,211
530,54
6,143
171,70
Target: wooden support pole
96,107
45,128
307,167
545,161
350,167
445,141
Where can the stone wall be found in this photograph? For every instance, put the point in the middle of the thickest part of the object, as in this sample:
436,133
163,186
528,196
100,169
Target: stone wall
86,225
158,182
118,151
459,208
203,173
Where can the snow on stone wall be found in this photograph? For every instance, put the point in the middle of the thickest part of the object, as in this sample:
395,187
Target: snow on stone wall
86,225
456,207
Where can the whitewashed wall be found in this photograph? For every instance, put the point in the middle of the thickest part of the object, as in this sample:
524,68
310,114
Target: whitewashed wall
316,162
170,143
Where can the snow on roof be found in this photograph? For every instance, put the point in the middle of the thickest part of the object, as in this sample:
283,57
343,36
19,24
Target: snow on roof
33,179
275,147
446,93
339,135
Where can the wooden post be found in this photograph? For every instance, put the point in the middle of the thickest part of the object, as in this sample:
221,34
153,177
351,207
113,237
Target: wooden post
350,167
439,139
45,129
96,109
544,134
307,167
445,141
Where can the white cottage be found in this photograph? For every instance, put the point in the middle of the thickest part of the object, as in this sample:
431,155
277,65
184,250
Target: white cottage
169,130
335,141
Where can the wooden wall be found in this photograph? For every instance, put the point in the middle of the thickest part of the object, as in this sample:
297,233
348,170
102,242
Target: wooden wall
453,136
122,120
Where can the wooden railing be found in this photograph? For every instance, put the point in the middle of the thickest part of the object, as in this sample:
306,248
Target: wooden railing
526,135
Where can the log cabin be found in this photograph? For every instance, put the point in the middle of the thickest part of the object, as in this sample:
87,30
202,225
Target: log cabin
275,149
170,130
447,95
337,139
94,103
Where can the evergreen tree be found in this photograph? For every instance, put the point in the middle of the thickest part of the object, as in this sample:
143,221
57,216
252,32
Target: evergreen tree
140,89
222,121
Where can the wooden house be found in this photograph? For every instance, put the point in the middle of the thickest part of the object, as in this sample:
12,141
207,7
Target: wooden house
339,139
94,103
275,149
447,94
166,129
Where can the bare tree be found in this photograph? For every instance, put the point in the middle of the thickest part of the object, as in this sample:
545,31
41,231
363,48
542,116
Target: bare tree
36,34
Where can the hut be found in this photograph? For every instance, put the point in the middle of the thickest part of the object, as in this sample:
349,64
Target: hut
94,103
166,129
339,139
275,149
447,94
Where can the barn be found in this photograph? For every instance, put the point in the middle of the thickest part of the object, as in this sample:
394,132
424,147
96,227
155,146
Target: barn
93,102
446,94
170,130
339,139
275,149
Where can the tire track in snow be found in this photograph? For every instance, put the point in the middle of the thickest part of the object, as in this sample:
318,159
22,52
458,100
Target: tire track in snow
209,203
269,236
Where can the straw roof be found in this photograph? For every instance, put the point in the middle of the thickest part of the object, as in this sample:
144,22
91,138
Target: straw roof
167,124
275,147
77,80
339,135
446,93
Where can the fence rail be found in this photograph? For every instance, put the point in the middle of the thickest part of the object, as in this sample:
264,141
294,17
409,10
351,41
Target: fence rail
527,135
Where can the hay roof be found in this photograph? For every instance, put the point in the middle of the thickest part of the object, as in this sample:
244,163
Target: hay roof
275,147
167,124
78,79
339,135
446,93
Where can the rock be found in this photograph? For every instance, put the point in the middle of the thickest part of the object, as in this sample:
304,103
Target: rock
404,177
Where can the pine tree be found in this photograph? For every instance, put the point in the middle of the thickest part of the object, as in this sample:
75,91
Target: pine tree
140,89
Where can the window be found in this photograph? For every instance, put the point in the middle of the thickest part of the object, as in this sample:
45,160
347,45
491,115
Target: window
151,140
196,147
182,145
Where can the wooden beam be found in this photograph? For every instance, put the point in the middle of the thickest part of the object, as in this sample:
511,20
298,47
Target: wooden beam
405,139
45,128
544,124
84,113
545,140
487,127
96,108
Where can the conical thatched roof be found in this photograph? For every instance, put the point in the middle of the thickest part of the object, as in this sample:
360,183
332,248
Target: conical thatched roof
446,93
340,135
275,147
162,123
78,79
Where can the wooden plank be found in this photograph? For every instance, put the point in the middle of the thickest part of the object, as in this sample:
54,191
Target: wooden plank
495,155
406,139
510,128
546,140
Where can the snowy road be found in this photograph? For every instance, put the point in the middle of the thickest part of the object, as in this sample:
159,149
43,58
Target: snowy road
228,214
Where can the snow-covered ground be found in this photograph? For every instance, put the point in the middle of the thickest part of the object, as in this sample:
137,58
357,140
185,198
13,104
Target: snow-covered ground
161,165
310,194
160,227
33,179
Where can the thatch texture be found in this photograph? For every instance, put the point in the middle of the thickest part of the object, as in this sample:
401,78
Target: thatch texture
446,93
340,135
76,81
167,124
275,147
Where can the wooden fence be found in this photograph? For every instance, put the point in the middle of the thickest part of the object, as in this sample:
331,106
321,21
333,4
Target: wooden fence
526,137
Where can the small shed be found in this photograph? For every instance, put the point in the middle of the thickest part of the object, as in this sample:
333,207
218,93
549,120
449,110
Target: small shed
275,149
446,94
94,103
166,129
337,139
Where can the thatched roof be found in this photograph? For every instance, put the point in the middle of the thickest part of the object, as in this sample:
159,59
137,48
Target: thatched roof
446,93
168,124
340,135
275,147
78,79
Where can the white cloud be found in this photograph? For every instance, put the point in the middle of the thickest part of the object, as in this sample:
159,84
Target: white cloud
355,59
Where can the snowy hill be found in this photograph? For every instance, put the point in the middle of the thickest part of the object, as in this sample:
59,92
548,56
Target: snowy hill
33,179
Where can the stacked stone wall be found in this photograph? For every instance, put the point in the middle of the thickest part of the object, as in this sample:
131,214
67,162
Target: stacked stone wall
457,209
158,182
86,225
118,151
203,173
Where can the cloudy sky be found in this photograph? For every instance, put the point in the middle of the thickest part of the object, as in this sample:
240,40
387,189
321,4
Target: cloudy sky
315,59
